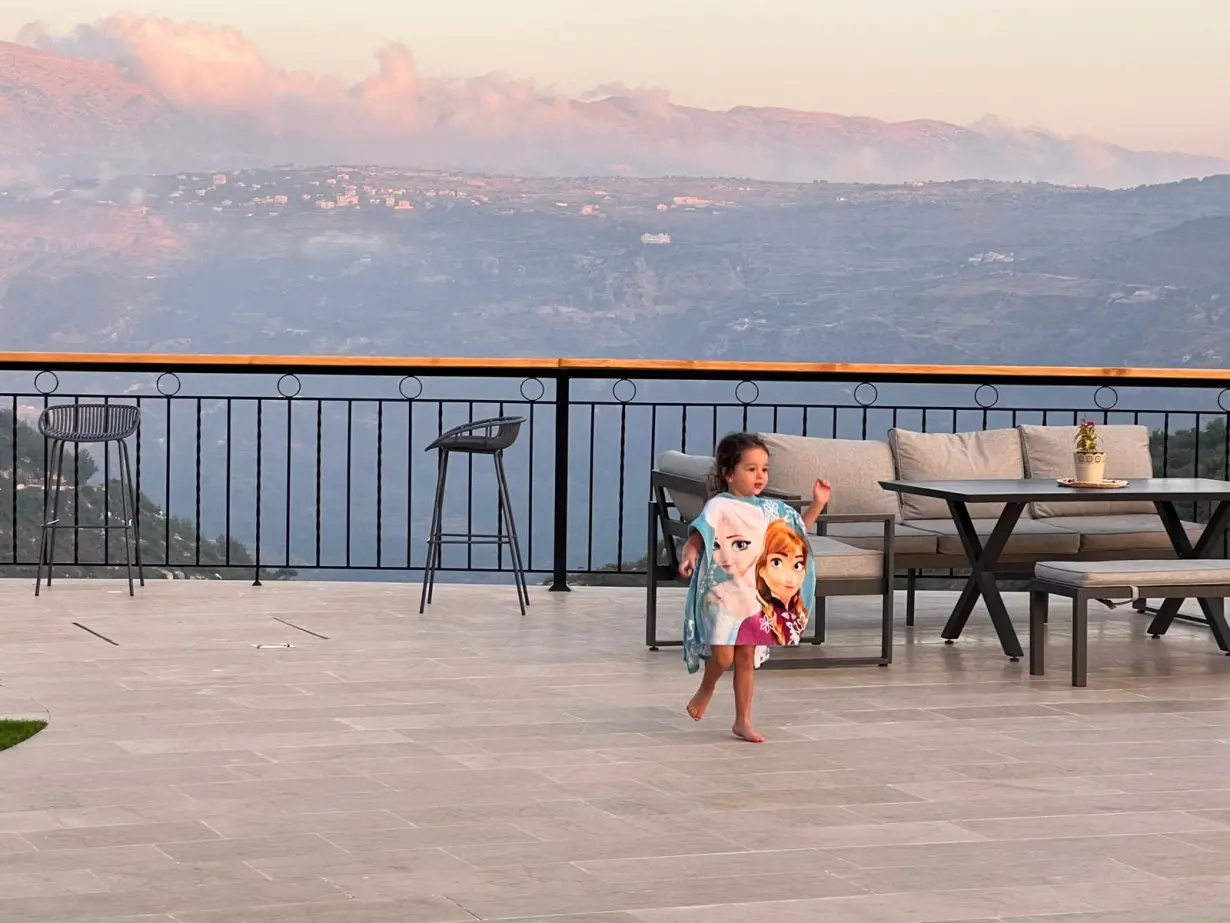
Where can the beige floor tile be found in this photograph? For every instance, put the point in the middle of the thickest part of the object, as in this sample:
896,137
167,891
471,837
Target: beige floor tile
472,764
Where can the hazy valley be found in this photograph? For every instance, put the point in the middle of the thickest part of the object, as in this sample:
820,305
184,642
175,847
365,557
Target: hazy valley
384,261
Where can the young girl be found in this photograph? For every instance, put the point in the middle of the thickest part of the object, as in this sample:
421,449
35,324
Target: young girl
755,586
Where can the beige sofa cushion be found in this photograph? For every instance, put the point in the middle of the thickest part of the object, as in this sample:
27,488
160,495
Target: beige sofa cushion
854,467
1029,537
1131,532
1047,451
906,538
838,561
698,467
995,453
1140,574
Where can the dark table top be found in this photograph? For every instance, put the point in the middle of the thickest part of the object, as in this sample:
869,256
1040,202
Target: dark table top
1029,490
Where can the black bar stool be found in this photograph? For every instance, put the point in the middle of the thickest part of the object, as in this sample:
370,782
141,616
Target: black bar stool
88,423
481,437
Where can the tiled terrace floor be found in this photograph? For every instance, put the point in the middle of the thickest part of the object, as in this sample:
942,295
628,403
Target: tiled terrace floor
474,765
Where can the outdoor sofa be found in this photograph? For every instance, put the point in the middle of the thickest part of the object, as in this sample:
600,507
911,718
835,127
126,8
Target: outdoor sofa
868,534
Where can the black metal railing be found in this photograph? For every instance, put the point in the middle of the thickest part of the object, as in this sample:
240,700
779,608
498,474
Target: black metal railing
273,466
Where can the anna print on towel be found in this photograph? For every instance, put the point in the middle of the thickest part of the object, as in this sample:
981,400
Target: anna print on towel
755,583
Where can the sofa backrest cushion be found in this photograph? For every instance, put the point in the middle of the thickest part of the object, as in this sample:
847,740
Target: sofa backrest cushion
993,453
854,467
1048,453
697,467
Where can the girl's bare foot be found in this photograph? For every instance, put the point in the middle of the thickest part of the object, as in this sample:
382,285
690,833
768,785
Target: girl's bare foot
700,703
747,732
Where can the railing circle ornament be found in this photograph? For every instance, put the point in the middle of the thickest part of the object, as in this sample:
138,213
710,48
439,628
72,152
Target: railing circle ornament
42,385
527,388
289,385
415,382
627,384
168,384
982,400
1108,400
745,396
859,394
1223,400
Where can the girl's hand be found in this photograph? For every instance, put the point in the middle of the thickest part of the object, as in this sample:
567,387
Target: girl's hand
687,567
821,492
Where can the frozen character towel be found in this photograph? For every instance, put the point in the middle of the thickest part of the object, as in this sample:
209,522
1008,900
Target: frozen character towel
756,581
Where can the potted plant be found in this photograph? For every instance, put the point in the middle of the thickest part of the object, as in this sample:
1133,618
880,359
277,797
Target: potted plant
1090,459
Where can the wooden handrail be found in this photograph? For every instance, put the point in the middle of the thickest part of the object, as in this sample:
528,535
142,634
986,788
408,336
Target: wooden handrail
840,371
854,371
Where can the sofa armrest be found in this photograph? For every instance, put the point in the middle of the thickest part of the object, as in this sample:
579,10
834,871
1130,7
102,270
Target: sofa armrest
857,517
887,519
825,518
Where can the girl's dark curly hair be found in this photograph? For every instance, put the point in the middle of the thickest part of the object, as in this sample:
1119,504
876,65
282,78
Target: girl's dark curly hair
727,455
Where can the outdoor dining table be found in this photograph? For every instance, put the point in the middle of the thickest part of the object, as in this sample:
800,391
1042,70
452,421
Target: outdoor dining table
984,556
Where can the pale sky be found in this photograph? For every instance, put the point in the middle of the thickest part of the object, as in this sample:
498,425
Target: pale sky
1143,73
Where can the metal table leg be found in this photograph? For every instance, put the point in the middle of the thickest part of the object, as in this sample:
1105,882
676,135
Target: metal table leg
1204,547
981,582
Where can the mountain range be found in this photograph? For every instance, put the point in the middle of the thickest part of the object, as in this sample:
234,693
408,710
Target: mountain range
139,94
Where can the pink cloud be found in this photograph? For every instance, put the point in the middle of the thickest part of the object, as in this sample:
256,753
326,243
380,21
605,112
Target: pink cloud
244,107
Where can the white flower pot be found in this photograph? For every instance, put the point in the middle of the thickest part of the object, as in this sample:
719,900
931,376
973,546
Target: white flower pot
1090,467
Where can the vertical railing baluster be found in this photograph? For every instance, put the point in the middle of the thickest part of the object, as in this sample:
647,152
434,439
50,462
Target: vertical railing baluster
137,478
290,445
75,494
260,455
529,541
197,501
1196,437
651,552
1166,444
589,526
623,465
46,458
320,450
106,495
349,472
166,480
13,492
499,516
559,563
410,455
1196,434
1225,472
227,481
470,493
379,482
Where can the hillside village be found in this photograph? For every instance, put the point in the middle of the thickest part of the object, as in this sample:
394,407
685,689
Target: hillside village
277,191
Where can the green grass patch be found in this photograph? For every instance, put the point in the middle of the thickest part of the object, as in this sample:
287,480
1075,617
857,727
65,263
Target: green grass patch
13,732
